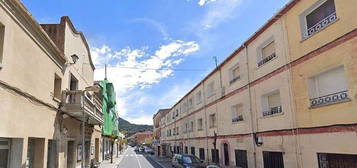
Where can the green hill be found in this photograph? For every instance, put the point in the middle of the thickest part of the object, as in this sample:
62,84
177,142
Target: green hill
130,129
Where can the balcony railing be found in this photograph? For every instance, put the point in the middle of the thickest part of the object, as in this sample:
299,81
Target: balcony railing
321,24
272,111
266,59
79,102
330,99
237,119
234,79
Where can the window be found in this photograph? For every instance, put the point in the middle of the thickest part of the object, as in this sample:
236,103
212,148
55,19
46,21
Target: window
177,112
191,126
210,89
317,17
271,104
190,103
215,155
336,160
2,38
237,113
198,97
267,52
212,120
186,149
234,73
57,87
202,153
186,127
174,131
329,87
200,124
241,158
192,150
184,106
177,131
273,159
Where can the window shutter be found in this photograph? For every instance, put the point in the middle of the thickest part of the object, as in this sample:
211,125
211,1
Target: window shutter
332,81
268,50
274,100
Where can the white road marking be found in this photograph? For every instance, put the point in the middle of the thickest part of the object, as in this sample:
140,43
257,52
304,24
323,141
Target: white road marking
138,161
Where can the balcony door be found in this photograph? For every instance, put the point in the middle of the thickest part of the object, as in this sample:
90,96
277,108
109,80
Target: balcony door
73,85
4,153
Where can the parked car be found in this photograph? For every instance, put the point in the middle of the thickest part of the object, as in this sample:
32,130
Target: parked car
186,161
141,149
149,151
136,149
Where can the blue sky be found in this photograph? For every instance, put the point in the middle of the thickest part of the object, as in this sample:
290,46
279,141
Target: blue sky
157,50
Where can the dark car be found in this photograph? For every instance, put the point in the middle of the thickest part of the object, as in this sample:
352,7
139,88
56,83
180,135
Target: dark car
186,161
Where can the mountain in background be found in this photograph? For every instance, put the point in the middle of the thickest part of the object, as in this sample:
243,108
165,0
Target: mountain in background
130,129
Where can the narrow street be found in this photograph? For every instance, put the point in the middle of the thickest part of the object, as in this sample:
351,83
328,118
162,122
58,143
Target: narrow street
132,159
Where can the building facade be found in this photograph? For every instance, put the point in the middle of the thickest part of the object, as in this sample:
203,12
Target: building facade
142,138
285,98
50,113
157,130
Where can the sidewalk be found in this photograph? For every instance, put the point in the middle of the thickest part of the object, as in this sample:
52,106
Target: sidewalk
164,162
107,164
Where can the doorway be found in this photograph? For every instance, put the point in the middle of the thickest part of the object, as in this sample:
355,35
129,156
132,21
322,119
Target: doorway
70,154
4,153
158,151
226,154
96,149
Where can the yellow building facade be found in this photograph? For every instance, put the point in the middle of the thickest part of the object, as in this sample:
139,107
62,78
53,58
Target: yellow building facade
285,98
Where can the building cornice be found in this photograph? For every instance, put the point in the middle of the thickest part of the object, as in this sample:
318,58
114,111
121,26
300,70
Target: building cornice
25,20
65,19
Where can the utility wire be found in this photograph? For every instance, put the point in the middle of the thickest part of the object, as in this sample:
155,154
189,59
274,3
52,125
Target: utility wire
158,69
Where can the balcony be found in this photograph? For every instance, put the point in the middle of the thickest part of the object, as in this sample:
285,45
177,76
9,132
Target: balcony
330,99
272,111
266,59
321,25
79,102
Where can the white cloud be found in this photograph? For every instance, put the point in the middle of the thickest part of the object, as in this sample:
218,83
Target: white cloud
219,12
142,119
133,69
159,26
204,2
175,94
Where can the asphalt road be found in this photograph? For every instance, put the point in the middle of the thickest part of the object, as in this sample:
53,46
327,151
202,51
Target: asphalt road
131,159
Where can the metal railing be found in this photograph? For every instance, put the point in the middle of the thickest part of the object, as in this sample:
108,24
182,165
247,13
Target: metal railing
237,119
321,24
329,99
78,100
266,59
272,111
234,79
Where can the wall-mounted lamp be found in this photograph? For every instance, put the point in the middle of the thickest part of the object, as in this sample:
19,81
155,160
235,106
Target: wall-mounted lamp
258,140
75,58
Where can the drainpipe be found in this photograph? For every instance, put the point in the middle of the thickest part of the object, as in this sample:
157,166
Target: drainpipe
205,110
250,108
83,141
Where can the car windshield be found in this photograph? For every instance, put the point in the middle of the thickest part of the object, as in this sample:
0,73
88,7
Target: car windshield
190,159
